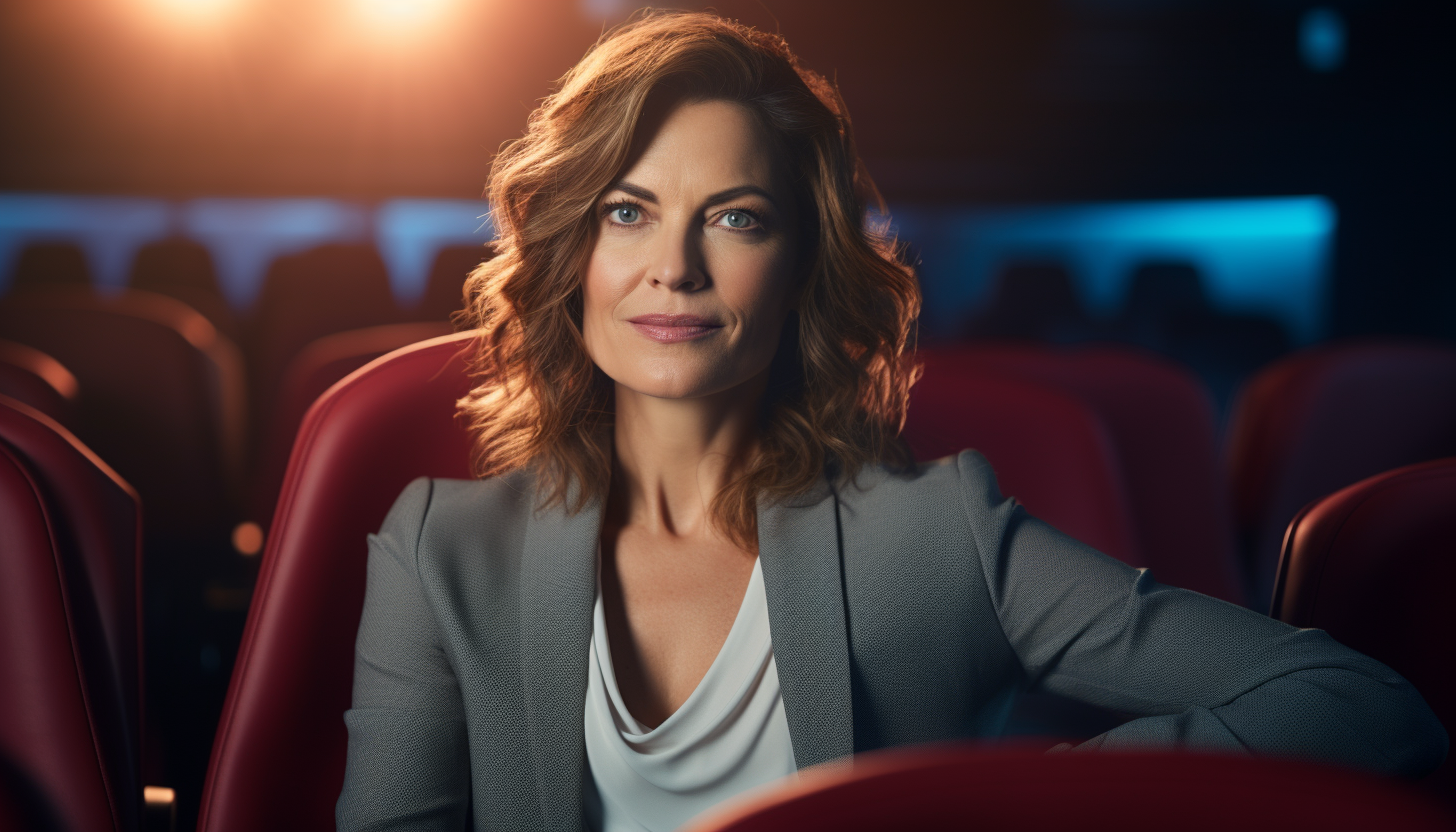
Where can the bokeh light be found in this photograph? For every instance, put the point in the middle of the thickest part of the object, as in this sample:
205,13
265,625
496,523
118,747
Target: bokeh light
402,13
195,10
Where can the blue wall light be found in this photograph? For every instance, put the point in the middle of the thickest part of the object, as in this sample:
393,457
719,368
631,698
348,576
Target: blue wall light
1322,39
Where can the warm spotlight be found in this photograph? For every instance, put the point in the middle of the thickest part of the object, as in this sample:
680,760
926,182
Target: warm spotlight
402,12
197,9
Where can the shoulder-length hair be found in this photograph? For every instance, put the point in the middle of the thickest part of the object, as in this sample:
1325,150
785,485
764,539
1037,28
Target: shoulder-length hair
839,382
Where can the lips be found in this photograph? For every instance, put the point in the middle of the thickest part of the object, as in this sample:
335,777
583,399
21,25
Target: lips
672,328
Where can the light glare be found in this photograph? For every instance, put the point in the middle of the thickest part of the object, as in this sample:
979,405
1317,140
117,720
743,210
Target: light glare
402,12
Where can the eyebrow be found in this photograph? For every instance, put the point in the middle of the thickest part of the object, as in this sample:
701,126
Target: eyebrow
714,199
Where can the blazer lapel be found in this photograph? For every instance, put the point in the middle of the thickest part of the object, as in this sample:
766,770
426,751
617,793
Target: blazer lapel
799,552
558,591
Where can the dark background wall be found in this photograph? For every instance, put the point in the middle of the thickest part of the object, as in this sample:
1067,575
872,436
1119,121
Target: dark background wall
992,102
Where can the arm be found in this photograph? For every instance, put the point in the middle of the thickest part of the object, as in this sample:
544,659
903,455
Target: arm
1208,674
408,763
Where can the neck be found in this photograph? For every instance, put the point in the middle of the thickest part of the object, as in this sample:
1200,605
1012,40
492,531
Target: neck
673,456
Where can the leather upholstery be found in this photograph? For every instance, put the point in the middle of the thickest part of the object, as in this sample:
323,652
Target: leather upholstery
162,395
1050,451
1372,564
1328,417
29,375
278,760
315,370
1161,424
951,787
70,714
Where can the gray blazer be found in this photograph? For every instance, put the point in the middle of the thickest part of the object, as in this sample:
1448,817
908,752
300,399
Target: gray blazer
904,609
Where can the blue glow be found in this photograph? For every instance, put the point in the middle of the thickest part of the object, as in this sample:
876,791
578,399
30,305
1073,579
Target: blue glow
410,231
108,229
1258,255
245,235
1322,39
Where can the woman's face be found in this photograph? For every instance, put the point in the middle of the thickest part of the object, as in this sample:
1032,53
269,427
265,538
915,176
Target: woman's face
692,274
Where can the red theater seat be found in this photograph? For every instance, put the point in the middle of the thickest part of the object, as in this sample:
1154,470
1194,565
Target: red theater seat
1161,423
162,395
444,291
1050,451
70,710
183,269
314,371
278,760
30,376
1374,565
328,289
1328,417
944,788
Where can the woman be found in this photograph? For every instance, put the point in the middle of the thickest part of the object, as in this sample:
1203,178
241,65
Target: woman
698,558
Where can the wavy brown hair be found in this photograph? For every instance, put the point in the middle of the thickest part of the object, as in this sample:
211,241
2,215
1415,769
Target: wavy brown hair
841,376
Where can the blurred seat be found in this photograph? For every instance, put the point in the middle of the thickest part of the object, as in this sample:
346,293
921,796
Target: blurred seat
47,265
278,759
1167,309
70,703
1324,419
1162,427
1373,564
1033,300
444,291
1050,450
183,269
30,376
1157,291
163,396
313,371
305,296
944,788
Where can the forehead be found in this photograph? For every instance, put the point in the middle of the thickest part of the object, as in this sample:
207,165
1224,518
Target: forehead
703,146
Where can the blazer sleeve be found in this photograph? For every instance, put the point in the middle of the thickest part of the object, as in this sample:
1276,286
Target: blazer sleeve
408,763
1203,673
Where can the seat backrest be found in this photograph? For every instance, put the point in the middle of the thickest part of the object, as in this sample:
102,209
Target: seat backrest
1050,451
1326,418
1373,565
1161,422
70,712
29,375
48,264
161,395
444,290
312,372
183,269
278,759
943,788
305,296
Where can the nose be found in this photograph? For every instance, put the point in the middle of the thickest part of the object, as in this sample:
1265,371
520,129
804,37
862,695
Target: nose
677,263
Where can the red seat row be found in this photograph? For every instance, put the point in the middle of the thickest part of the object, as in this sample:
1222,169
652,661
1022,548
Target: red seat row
279,746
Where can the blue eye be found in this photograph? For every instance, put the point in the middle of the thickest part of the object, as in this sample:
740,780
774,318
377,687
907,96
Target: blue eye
738,219
626,214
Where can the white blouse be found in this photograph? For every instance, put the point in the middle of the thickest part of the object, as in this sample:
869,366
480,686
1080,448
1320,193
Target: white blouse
729,736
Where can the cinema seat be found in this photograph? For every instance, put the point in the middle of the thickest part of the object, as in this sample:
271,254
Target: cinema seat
70,702
183,269
313,371
1049,450
278,758
945,788
1373,565
1328,417
1161,424
48,265
305,296
444,290
162,395
30,376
